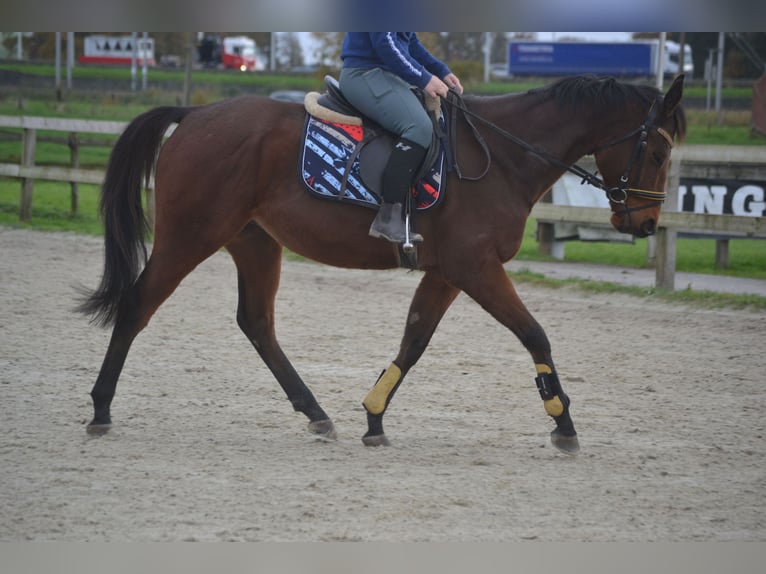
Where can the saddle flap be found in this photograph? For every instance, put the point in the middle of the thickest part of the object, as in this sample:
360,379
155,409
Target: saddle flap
373,158
332,168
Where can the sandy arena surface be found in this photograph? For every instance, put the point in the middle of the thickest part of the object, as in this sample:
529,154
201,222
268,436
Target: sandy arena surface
669,404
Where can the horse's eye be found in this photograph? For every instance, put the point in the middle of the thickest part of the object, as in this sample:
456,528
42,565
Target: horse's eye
658,157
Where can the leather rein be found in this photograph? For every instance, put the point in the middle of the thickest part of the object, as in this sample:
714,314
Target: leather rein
617,195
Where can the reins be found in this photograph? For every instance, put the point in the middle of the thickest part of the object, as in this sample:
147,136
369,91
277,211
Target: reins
614,194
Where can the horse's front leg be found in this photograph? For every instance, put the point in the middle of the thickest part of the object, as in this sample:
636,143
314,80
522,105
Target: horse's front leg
493,290
432,299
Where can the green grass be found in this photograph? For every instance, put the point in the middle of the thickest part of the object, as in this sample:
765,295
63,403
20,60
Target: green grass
723,135
267,81
747,257
104,108
733,127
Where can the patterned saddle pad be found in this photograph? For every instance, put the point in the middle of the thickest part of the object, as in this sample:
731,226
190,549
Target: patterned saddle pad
344,162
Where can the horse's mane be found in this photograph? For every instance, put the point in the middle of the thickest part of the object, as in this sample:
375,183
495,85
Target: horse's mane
576,91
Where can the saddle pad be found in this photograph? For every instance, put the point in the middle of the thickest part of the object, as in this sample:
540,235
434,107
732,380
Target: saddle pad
330,166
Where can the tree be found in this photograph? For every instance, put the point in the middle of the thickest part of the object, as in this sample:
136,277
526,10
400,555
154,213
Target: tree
469,46
499,48
449,46
327,48
262,42
736,65
169,43
37,45
289,51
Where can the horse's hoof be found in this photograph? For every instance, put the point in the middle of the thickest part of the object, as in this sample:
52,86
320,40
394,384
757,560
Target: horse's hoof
566,444
98,429
325,429
376,440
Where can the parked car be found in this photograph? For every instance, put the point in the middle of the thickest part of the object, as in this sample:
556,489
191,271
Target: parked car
288,95
498,70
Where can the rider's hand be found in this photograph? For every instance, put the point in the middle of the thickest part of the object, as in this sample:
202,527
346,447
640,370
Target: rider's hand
436,87
453,82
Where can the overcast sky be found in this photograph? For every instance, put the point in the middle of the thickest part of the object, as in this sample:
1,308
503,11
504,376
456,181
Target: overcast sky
592,36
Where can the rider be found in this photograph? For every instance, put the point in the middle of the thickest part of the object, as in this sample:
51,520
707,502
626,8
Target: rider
378,71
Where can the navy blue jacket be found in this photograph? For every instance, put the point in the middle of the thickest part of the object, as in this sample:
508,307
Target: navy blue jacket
398,52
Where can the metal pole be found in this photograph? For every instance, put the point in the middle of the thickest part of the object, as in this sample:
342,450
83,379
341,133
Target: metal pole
682,54
719,76
145,66
709,69
273,51
58,63
661,60
133,59
487,55
69,59
188,72
18,45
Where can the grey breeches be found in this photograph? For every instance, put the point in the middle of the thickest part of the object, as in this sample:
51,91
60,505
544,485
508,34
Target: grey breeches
388,100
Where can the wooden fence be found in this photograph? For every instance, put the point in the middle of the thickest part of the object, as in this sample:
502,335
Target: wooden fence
688,161
28,172
701,161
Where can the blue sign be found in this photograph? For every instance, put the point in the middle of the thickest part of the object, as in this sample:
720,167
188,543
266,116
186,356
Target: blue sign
568,58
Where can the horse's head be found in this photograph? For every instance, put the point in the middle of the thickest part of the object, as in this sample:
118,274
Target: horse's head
635,166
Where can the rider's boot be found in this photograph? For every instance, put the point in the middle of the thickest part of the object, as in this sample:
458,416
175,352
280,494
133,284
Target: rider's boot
405,159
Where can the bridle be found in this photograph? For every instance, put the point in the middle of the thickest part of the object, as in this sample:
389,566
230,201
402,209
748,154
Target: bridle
619,194
616,195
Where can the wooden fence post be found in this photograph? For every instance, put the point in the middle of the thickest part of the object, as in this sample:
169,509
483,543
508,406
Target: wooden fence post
665,264
665,271
545,231
29,140
722,253
74,152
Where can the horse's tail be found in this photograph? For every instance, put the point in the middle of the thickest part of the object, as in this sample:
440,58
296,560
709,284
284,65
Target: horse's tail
125,227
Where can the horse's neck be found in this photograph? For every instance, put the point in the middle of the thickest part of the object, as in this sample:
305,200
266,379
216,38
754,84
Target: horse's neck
566,133
561,134
542,127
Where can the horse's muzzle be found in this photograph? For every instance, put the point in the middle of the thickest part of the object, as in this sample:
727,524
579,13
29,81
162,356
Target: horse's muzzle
648,227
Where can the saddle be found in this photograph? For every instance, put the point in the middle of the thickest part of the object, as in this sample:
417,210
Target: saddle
344,152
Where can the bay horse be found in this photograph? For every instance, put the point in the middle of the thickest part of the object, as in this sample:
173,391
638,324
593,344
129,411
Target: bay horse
227,177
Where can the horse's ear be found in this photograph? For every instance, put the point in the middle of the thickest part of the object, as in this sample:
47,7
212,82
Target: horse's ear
673,95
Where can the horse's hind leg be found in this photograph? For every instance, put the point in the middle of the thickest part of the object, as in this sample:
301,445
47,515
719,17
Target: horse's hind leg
258,258
431,300
155,284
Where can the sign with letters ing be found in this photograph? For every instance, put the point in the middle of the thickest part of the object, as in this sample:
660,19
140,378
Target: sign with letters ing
722,196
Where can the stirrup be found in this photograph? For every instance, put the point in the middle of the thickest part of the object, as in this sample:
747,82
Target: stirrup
410,238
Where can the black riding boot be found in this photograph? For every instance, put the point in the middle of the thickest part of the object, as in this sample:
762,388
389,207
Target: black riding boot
405,159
